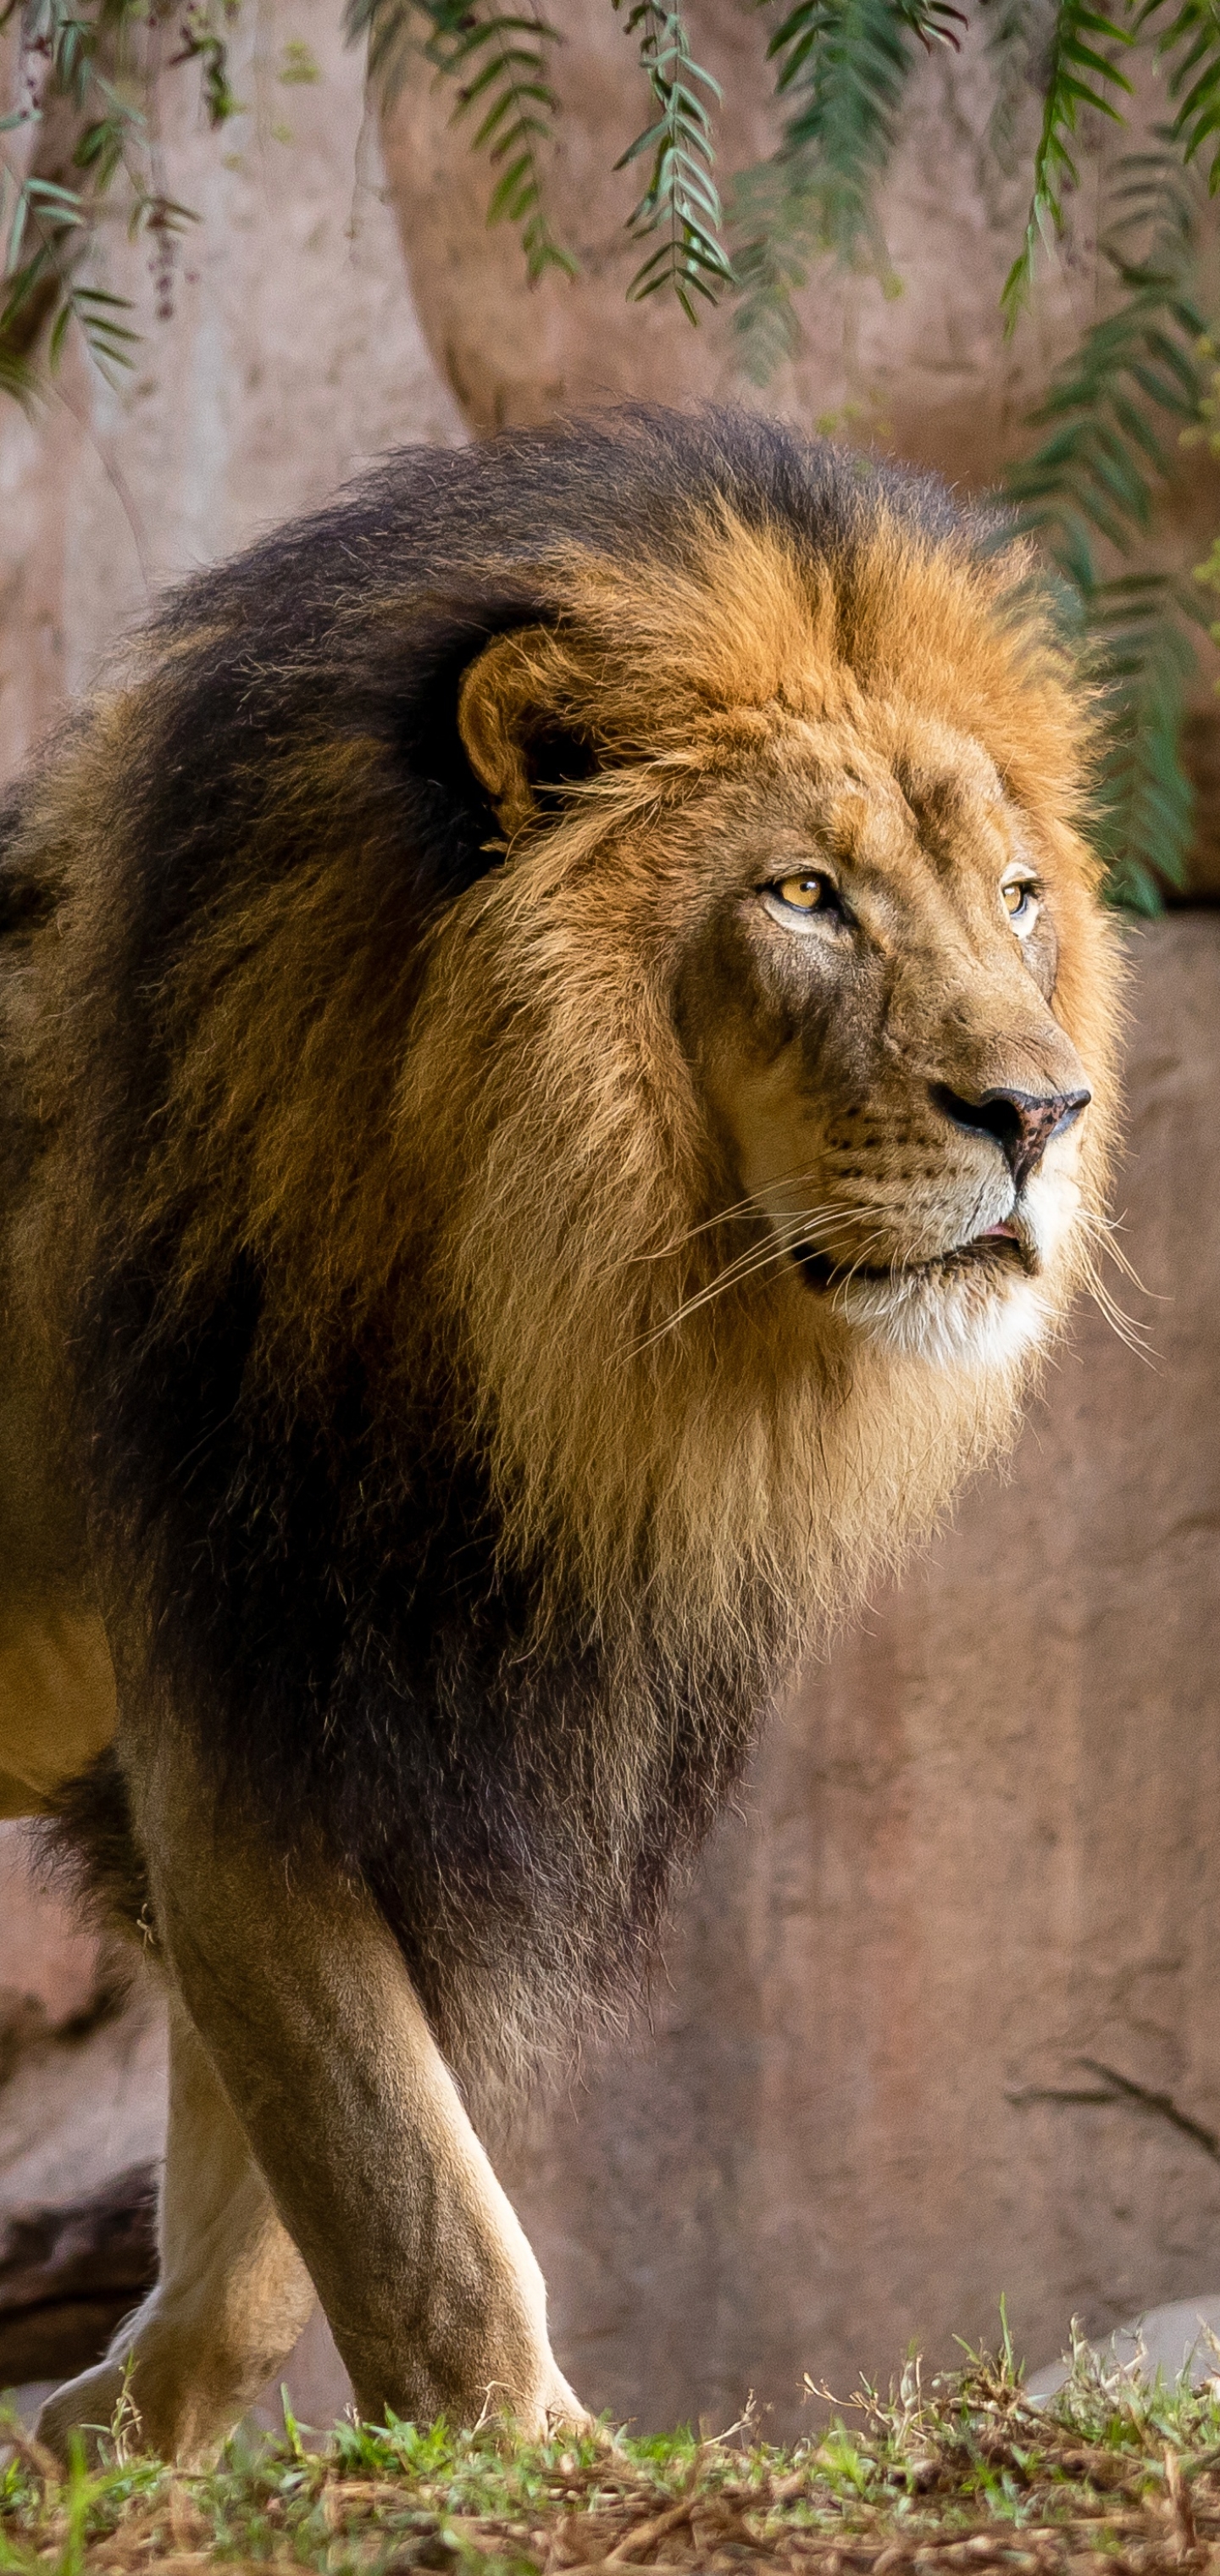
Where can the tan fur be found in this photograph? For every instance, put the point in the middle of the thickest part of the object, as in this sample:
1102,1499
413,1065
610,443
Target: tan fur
434,2297
232,2298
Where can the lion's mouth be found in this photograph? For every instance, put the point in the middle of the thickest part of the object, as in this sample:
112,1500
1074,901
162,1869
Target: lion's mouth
998,1250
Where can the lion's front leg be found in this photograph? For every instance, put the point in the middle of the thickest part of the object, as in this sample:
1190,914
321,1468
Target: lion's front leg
232,2298
301,1994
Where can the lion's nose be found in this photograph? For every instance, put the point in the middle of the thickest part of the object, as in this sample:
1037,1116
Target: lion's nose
1021,1123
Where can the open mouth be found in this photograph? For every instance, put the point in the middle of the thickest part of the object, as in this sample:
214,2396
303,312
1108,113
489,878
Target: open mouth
997,1250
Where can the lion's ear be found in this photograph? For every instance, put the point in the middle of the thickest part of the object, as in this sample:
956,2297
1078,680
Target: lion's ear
517,722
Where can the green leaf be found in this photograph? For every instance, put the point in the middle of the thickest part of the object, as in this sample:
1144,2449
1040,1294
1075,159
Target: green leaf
1113,414
841,70
680,201
492,56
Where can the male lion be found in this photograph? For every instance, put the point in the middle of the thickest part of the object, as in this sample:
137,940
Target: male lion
550,1012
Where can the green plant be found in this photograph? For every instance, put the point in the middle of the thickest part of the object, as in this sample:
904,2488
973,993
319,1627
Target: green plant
680,201
88,67
498,61
1113,425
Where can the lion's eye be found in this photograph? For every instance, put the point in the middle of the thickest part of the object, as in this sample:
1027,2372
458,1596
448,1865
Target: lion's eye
1019,899
804,898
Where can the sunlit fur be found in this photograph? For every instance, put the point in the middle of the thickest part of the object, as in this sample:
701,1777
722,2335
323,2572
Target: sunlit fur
389,1235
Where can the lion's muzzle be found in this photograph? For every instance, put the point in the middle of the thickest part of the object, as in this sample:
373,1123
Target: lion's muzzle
1021,1123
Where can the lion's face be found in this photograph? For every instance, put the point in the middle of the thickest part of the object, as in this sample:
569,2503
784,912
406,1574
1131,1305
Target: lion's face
774,1066
848,888
869,1010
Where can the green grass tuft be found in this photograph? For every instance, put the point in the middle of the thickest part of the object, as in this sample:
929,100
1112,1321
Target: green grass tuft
964,2472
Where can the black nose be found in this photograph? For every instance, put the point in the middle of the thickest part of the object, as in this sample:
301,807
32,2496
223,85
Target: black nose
1021,1123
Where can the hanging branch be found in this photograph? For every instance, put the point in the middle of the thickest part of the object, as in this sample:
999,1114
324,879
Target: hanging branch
498,61
1194,80
1115,416
841,69
89,139
1078,74
680,201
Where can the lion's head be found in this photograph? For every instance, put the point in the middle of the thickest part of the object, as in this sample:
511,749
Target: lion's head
795,1119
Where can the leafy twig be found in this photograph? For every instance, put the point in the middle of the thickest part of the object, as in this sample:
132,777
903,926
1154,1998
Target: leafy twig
1115,416
680,201
1079,75
1194,80
841,69
499,61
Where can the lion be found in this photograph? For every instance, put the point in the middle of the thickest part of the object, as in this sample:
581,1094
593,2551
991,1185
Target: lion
560,1037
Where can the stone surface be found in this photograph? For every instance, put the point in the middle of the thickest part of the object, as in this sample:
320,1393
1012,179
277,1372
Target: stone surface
83,2095
70,2273
1179,2338
82,2121
922,360
918,361
51,1971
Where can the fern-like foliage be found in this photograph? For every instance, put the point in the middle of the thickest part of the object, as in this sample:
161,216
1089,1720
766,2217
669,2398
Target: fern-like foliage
47,231
1114,421
1144,661
1018,41
841,71
680,202
1080,76
1189,47
498,62
50,211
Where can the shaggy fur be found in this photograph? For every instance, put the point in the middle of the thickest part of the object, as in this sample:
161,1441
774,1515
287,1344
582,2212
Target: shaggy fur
371,1065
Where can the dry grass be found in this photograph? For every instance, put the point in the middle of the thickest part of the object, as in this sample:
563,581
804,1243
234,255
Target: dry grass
965,2473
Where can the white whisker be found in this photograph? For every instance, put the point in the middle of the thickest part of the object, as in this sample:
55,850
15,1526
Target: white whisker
756,1258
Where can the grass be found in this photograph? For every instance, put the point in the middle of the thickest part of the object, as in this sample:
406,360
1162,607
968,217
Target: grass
965,2473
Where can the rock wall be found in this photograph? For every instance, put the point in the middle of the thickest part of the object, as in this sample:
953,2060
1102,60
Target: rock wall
82,2125
919,359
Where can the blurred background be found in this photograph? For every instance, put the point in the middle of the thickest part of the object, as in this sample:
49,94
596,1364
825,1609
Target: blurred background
938,2021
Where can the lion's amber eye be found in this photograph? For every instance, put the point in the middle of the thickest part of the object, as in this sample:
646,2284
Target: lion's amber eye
805,894
804,901
1017,898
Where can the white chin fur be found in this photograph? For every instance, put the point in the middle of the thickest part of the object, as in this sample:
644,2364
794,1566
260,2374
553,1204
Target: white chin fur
968,1321
956,1323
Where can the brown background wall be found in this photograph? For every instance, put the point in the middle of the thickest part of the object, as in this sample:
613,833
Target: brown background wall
979,1848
